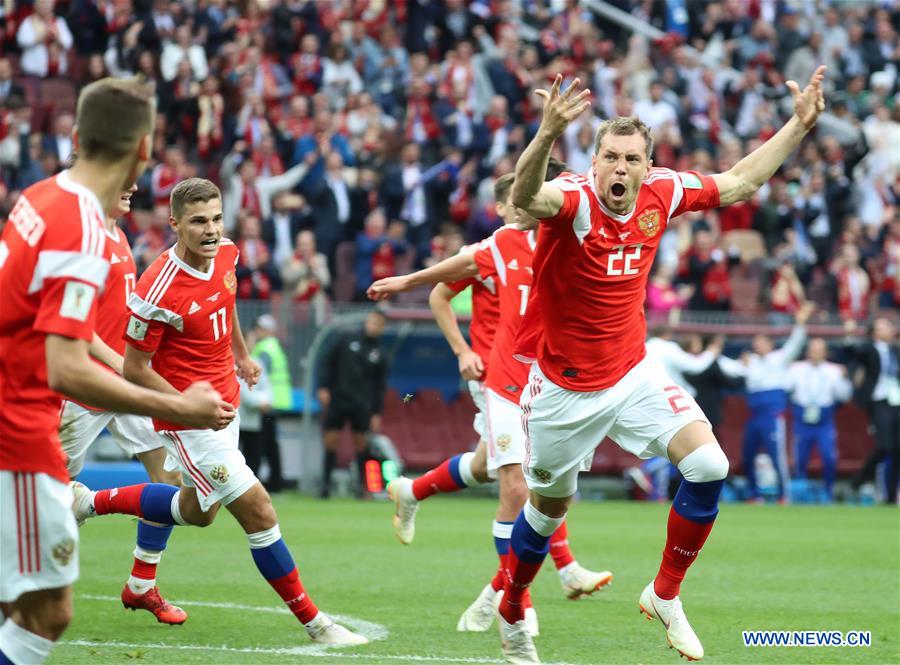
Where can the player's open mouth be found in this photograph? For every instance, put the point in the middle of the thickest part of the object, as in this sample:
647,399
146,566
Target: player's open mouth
617,190
210,243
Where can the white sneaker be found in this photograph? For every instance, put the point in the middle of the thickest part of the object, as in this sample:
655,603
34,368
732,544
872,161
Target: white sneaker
679,633
578,581
82,502
322,630
400,492
518,647
479,616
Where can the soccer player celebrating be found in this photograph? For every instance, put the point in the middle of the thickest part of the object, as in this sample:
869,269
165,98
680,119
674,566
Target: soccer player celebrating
502,263
81,424
54,262
184,327
599,235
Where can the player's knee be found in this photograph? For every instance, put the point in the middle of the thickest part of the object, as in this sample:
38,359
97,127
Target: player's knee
705,464
51,618
479,470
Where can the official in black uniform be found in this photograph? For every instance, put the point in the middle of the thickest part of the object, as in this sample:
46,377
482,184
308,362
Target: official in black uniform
352,380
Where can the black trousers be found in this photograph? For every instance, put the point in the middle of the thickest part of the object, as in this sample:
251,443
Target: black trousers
264,444
885,420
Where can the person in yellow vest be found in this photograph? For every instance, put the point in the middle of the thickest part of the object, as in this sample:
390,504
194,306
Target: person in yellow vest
269,353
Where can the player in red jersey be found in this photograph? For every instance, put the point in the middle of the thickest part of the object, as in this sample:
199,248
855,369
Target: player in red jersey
184,327
54,262
599,235
81,424
503,261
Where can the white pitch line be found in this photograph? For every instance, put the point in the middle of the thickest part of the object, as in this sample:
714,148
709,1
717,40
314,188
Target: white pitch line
283,651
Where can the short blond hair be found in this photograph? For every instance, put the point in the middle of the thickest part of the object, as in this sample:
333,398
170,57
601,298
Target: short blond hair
624,126
112,116
190,191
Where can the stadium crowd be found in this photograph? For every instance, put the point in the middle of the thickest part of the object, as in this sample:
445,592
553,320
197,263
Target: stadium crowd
357,139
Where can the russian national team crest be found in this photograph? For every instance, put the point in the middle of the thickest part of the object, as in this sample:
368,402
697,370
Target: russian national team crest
230,281
62,552
503,442
219,474
541,475
649,223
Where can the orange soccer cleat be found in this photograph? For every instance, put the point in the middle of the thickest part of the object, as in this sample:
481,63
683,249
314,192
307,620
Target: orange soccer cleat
151,601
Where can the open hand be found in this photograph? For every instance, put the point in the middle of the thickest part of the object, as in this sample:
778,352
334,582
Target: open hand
810,102
561,109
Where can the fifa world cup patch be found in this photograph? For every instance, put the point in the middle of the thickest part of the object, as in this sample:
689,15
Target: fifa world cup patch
230,281
649,223
503,442
62,552
77,300
541,475
219,474
690,181
137,329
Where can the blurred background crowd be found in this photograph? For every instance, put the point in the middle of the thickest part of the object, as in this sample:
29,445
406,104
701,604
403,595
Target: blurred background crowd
355,139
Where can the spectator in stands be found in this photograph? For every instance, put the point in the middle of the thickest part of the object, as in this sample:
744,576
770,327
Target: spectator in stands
332,201
59,143
167,174
785,295
339,77
377,248
244,190
87,24
180,49
9,90
322,140
664,299
705,267
352,379
290,214
853,284
45,41
710,384
876,381
257,275
305,273
817,387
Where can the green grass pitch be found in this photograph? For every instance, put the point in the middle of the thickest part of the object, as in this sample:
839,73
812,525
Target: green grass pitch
764,567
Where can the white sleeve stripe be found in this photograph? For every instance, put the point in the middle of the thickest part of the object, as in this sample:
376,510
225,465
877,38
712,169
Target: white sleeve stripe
54,264
498,260
677,196
162,281
581,224
150,312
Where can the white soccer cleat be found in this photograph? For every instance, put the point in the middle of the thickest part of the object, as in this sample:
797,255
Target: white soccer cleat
400,492
479,616
531,622
517,644
578,581
679,633
323,630
82,502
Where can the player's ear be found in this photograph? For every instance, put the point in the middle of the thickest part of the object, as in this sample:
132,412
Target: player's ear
145,146
173,223
75,139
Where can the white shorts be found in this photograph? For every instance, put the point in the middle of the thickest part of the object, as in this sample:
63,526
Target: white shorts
80,427
476,390
210,461
505,437
641,413
38,534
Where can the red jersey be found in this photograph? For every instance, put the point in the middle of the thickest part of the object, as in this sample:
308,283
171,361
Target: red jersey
585,325
54,261
184,318
506,257
112,307
485,311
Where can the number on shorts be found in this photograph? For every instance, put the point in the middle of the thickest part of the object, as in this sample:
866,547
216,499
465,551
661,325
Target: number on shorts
675,394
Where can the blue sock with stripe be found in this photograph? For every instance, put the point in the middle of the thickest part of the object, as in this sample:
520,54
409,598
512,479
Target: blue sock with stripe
275,563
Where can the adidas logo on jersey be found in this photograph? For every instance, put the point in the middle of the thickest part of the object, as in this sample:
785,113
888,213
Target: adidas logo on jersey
194,307
113,259
214,296
513,265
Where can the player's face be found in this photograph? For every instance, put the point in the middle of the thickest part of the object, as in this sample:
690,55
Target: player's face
761,345
200,228
124,203
619,166
817,351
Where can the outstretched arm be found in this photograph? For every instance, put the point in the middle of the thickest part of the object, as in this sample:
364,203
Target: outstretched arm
530,192
741,181
449,270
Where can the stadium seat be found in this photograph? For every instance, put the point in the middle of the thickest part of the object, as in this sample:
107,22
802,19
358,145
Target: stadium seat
748,242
